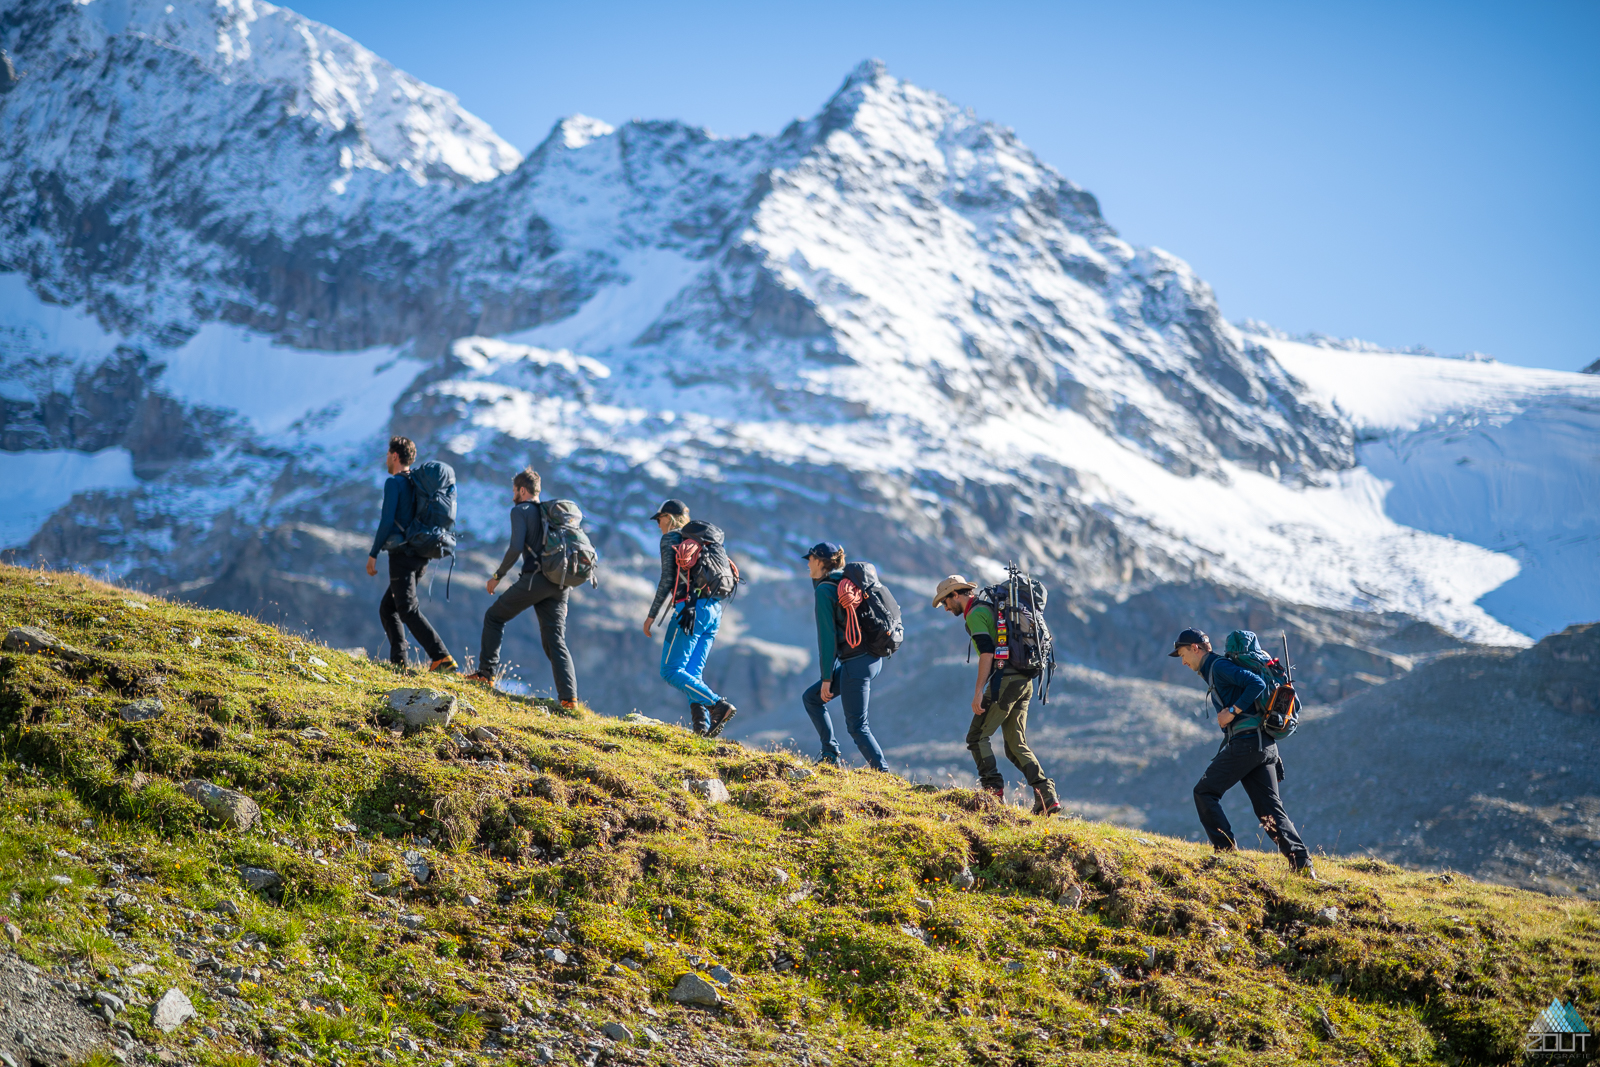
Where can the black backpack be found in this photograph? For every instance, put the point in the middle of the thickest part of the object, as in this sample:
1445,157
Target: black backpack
1026,645
703,561
433,510
872,615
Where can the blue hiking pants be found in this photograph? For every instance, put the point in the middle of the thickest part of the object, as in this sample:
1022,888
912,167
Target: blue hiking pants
852,683
683,654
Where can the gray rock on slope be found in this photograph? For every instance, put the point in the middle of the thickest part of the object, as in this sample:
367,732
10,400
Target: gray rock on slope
423,707
171,1011
235,809
142,710
692,989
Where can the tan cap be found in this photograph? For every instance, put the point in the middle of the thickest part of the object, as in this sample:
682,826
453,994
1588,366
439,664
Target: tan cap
953,584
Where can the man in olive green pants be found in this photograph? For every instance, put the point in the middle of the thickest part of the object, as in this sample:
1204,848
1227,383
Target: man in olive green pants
999,701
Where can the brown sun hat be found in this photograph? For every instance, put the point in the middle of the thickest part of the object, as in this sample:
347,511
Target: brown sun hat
953,584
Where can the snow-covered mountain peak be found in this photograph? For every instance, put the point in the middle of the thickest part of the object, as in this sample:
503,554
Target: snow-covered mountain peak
575,131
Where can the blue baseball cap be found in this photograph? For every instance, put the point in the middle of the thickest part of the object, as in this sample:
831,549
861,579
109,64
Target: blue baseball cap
823,550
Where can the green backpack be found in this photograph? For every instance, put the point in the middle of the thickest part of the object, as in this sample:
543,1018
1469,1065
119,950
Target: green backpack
1279,706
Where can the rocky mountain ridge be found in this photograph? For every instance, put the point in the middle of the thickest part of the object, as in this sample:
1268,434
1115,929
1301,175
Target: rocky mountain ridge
889,324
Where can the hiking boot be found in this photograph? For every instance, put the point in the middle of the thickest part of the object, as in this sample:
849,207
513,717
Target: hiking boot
447,665
1305,870
569,705
479,678
996,791
1045,802
721,713
699,716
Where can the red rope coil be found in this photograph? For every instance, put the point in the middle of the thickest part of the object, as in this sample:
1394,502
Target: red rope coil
850,598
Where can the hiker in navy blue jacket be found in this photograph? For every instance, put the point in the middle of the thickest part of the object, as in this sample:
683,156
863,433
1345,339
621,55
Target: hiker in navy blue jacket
400,604
531,590
1248,756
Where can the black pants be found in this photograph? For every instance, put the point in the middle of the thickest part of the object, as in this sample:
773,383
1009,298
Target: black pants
549,603
400,605
1241,761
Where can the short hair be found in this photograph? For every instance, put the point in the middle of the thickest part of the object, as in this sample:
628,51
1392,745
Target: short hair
677,522
527,478
405,448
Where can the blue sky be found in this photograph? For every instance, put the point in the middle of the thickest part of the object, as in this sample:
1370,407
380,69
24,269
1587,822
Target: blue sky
1421,173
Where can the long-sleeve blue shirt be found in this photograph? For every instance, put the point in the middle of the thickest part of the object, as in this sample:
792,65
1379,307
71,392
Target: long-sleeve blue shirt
397,507
1233,686
527,536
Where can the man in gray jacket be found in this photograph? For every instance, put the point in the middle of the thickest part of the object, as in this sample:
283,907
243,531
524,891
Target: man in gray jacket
532,590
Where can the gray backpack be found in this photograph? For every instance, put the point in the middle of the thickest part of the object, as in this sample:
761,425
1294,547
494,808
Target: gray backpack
567,557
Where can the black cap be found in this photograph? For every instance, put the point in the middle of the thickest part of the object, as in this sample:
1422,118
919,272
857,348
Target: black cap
823,550
1190,636
671,507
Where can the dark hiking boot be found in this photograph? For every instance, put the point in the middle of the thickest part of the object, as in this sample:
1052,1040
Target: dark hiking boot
721,713
447,665
996,791
699,716
1305,870
1045,802
479,678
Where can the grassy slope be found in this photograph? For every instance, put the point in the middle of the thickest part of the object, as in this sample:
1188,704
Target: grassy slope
589,814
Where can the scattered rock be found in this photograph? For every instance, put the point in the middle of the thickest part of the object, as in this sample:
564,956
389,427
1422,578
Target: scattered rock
61,880
37,641
1329,1031
617,1032
799,774
260,878
924,905
803,892
711,790
780,876
235,809
555,956
13,934
721,974
486,735
311,733
1150,956
227,907
171,1011
650,1036
412,922
136,605
381,879
1015,966
472,901
417,865
1144,841
110,1001
1229,908
1072,898
642,720
141,710
692,989
965,880
423,707
1327,916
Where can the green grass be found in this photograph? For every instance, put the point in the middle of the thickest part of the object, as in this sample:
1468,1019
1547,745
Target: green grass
884,961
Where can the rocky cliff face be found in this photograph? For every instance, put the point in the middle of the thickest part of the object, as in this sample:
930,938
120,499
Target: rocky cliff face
244,249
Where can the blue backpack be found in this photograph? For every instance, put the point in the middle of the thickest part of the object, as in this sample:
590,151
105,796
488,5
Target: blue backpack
433,515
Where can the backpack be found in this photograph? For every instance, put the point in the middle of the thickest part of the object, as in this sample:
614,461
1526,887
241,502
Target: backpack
871,613
1279,706
433,510
703,563
1026,645
567,557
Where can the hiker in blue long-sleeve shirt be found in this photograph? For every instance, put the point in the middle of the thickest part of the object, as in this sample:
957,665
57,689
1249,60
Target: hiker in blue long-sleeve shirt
1247,757
400,603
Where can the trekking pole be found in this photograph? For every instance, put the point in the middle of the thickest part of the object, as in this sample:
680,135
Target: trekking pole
1286,664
